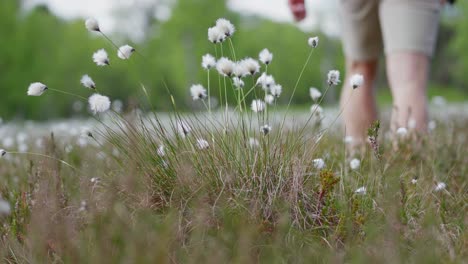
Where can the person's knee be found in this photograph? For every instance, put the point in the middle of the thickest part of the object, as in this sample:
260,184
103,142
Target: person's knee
366,68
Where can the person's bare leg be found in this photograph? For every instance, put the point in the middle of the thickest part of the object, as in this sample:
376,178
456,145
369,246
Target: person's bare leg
407,74
359,108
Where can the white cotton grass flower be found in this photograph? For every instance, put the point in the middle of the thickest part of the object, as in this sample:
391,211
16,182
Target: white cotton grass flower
225,26
208,61
348,140
414,181
198,92
251,66
266,81
313,42
238,82
402,131
276,90
92,25
354,164
216,35
269,99
183,129
333,77
361,190
2,153
431,125
265,129
99,103
125,52
265,56
36,89
101,58
357,80
161,151
240,70
253,142
202,144
87,82
258,106
5,209
318,163
440,186
315,94
225,67
316,110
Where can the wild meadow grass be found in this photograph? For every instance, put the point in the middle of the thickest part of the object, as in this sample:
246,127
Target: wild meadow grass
241,182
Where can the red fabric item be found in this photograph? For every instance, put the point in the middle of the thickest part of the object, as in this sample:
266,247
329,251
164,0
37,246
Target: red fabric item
298,9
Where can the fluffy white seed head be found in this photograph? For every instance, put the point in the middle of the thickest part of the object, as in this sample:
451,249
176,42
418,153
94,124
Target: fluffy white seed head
240,70
356,80
238,82
225,67
225,26
269,99
125,52
87,82
313,42
266,81
208,61
440,186
251,66
36,89
216,35
99,103
318,163
265,129
276,90
101,58
414,181
161,151
198,92
2,153
315,94
402,131
316,110
202,144
183,129
354,164
333,77
92,24
361,190
253,143
265,56
258,106
348,140
5,208
431,125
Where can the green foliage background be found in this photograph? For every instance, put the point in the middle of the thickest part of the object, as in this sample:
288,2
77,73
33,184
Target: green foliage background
38,46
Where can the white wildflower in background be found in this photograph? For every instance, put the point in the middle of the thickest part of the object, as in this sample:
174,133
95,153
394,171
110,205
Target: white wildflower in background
265,56
269,99
265,129
354,164
36,89
225,67
94,180
202,144
276,90
161,151
402,131
125,52
117,106
240,70
225,26
208,61
5,208
101,58
439,101
251,66
99,103
258,106
2,152
315,94
412,123
87,82
253,143
414,181
348,140
238,82
313,42
361,190
318,163
357,80
183,128
316,110
266,81
92,25
216,35
431,125
440,186
198,92
333,77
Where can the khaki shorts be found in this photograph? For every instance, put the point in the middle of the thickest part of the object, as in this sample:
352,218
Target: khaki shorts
396,25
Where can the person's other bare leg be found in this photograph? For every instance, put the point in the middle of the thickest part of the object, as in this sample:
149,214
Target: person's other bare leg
359,109
407,74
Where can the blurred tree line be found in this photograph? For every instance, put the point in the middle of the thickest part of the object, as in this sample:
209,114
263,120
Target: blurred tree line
38,46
